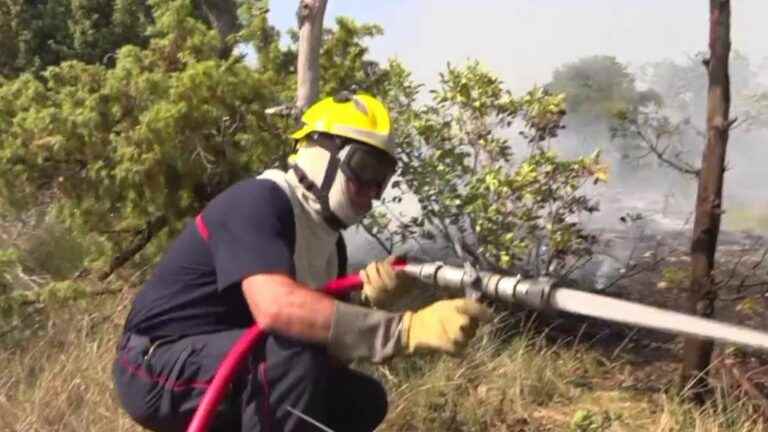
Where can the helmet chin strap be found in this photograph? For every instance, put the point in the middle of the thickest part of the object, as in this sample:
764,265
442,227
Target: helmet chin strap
322,193
334,219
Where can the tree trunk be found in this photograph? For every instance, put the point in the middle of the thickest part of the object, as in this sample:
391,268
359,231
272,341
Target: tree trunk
222,14
310,24
697,353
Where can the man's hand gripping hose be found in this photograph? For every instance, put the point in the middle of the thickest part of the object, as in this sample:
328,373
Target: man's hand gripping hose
446,325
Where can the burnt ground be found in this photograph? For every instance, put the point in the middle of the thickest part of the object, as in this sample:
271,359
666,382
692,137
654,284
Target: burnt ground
654,274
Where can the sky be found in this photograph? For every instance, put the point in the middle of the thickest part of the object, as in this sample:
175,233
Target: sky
523,41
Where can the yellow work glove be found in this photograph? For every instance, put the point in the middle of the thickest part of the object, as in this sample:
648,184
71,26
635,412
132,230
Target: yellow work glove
381,284
446,325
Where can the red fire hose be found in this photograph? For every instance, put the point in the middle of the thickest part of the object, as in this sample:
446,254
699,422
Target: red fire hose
234,359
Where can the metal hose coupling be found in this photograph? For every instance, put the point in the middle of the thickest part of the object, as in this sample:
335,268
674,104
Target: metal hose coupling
533,292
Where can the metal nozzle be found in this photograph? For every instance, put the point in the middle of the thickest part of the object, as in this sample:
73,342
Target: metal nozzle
533,293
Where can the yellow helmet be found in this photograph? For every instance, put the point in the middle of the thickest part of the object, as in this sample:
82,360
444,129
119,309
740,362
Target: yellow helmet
360,117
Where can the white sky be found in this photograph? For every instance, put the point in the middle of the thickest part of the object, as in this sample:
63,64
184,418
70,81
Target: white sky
524,40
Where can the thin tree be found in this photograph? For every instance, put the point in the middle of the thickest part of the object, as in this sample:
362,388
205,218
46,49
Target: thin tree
310,23
702,293
222,15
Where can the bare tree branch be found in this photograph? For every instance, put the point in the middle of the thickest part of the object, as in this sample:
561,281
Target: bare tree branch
142,239
369,231
757,396
653,146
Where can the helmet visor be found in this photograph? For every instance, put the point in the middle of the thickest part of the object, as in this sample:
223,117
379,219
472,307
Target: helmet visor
368,165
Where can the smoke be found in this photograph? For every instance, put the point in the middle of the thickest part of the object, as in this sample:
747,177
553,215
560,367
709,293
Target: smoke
645,198
647,204
641,183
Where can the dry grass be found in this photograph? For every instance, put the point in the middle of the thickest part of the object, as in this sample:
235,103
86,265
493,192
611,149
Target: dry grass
526,384
61,382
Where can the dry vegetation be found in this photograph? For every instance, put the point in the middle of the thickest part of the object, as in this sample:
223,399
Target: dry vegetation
61,381
524,382
513,379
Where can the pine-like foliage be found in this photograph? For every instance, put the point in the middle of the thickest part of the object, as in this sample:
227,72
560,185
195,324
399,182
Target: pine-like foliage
117,152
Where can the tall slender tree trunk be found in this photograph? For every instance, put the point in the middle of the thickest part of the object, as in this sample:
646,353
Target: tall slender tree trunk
310,24
222,15
697,353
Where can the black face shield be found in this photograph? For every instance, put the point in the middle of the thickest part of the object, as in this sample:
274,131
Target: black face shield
368,165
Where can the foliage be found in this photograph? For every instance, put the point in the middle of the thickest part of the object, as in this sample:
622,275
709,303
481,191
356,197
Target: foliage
36,264
673,133
751,306
112,153
119,151
8,264
38,34
158,134
537,201
589,421
654,136
675,277
600,88
684,84
344,62
276,64
471,193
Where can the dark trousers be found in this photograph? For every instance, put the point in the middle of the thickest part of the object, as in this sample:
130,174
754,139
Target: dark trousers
160,383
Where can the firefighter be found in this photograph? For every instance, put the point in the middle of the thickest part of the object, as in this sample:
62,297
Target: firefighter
257,252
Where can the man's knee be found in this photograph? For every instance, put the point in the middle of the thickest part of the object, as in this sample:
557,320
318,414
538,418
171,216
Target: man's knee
290,370
300,358
359,401
378,402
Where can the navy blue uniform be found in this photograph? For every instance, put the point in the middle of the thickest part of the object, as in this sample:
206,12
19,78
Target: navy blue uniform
192,310
196,287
